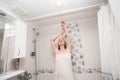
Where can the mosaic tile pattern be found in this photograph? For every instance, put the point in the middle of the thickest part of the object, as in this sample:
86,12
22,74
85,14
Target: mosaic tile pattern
77,54
107,76
46,71
79,70
104,76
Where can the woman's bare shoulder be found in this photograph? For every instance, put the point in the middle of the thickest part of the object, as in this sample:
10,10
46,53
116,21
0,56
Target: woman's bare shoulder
57,51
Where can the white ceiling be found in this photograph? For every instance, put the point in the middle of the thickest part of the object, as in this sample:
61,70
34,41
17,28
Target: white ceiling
68,18
44,7
38,8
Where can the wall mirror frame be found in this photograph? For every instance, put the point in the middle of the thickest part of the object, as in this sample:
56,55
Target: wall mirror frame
5,32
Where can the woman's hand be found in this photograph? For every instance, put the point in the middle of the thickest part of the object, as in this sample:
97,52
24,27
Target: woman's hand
63,23
62,31
68,36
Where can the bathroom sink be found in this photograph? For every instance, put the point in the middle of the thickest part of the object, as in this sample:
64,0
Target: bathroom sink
10,74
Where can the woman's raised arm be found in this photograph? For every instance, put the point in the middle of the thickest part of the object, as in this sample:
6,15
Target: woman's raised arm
67,33
54,48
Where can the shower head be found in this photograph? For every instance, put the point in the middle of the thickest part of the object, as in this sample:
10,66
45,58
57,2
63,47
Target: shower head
36,33
2,13
33,29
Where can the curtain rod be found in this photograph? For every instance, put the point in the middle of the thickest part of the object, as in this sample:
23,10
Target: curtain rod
65,12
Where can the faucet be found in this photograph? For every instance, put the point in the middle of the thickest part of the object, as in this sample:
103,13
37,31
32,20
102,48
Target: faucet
25,76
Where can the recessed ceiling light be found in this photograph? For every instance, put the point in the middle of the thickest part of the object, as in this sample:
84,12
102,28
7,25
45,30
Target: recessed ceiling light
59,3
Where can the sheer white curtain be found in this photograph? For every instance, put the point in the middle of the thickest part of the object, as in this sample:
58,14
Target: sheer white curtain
115,7
109,42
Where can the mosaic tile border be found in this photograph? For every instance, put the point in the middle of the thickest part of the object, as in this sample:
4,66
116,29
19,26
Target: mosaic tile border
89,70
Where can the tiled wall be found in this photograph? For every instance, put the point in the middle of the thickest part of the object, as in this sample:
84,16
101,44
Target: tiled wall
85,50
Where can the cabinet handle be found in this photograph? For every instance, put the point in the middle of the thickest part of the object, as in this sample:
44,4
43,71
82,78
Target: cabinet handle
19,51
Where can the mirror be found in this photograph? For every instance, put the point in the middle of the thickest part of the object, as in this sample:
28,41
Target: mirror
4,42
2,25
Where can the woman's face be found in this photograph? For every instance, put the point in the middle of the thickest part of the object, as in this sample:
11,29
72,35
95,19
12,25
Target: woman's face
61,42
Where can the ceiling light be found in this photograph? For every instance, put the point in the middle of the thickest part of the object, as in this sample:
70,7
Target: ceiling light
59,3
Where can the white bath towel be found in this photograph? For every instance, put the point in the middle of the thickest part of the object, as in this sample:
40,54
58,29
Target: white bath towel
63,66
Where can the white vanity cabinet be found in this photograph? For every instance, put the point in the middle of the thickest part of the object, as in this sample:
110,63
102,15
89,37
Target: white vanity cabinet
17,44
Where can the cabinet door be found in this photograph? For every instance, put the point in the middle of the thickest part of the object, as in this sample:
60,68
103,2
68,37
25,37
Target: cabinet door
20,41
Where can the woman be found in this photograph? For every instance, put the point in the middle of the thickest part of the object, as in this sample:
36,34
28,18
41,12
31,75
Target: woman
63,66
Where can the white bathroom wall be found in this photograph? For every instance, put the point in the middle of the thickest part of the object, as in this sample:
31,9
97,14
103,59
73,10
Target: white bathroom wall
28,63
90,43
